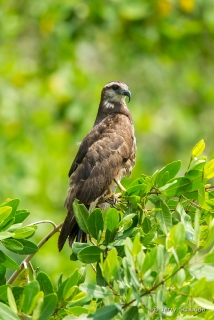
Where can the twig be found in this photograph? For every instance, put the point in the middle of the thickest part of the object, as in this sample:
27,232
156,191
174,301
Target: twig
192,203
43,221
30,256
93,267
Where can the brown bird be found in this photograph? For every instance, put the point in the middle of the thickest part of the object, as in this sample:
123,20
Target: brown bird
105,156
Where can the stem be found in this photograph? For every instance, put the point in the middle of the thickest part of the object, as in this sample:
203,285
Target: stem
30,256
43,221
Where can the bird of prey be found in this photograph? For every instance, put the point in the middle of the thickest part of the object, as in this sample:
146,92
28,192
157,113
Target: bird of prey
105,156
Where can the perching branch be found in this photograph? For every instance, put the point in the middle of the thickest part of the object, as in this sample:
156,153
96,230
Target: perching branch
30,256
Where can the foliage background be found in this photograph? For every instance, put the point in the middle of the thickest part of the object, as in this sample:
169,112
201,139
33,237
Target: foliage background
56,56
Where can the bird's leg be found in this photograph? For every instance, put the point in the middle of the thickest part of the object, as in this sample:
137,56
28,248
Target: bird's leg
119,185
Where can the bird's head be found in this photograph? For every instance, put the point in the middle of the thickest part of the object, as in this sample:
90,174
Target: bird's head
115,91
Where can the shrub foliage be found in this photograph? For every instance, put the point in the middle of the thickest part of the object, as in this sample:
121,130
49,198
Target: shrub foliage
152,252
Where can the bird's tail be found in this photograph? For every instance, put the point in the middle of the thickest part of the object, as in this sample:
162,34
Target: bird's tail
71,230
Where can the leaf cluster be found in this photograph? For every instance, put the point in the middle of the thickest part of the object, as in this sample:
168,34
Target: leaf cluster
152,252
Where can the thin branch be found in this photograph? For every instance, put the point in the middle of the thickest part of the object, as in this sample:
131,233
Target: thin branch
43,221
30,256
192,203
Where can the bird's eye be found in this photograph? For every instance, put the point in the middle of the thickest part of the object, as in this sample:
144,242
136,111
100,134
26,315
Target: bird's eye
115,87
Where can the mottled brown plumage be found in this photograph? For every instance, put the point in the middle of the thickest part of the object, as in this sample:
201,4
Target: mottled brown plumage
105,156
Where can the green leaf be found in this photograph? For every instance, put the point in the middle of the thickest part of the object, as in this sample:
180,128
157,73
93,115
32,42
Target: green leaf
177,235
164,216
186,220
4,225
22,278
201,194
198,148
77,247
131,314
95,223
176,187
24,232
209,258
70,283
99,277
167,173
11,300
210,237
204,303
196,178
7,262
27,301
12,244
28,247
6,313
126,219
90,254
5,235
3,292
110,265
112,219
48,306
95,291
21,215
202,270
77,311
209,170
45,283
81,215
106,312
5,212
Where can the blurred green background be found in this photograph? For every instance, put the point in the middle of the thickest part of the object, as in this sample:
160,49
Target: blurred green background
55,57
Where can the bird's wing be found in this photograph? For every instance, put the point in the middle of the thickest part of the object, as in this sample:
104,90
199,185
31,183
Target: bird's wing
102,154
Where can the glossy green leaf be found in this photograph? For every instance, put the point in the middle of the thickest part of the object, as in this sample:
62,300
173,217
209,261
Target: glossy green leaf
186,220
196,178
176,187
11,300
112,219
5,212
77,247
204,303
71,282
3,292
202,270
6,235
27,301
209,258
28,247
7,262
24,232
21,215
95,291
131,314
95,223
6,313
12,244
167,173
81,215
164,216
48,306
77,311
198,148
106,312
45,283
110,265
177,234
89,254
209,170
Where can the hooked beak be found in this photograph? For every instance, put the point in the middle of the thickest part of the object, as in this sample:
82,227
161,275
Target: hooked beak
127,93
